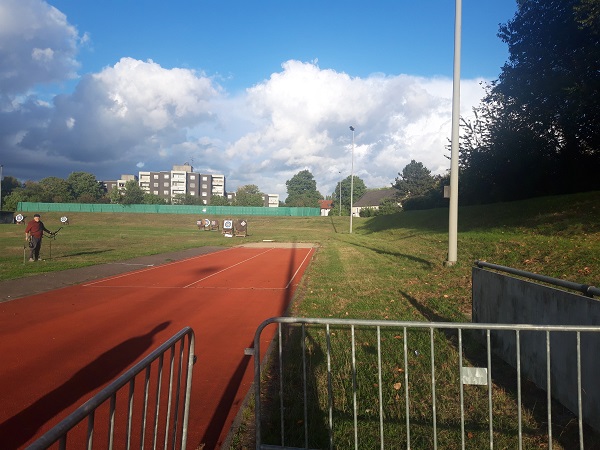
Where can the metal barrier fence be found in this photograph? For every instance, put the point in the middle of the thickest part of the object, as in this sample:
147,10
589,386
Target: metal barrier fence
132,425
334,383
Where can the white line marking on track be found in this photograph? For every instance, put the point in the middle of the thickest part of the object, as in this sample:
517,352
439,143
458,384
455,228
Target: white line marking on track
128,264
298,269
227,268
153,267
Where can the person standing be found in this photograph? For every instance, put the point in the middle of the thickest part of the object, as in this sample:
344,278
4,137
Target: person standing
33,234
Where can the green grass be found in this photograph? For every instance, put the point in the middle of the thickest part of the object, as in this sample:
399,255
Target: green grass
391,267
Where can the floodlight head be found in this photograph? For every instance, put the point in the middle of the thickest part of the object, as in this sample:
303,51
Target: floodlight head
351,127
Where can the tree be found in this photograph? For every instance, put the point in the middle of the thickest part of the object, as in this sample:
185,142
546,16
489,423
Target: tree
249,195
302,190
187,199
133,194
219,200
8,184
388,206
152,199
550,91
85,187
415,180
56,190
345,186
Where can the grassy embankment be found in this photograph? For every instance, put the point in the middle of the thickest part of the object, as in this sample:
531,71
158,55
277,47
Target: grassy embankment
391,267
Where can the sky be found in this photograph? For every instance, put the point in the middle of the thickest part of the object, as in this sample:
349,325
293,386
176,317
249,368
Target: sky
254,90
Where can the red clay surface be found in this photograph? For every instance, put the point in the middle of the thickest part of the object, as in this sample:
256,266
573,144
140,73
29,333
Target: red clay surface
60,347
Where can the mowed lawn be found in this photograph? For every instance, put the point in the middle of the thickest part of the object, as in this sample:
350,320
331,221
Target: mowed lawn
390,267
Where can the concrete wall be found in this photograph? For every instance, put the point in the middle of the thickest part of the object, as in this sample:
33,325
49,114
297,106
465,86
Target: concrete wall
498,298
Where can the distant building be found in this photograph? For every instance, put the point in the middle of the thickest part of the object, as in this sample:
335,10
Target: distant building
269,200
372,199
325,206
119,184
182,180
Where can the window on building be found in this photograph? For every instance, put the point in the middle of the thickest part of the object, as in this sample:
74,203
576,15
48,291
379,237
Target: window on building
192,185
166,184
204,178
155,192
204,186
192,193
165,192
155,184
166,175
204,194
192,177
156,176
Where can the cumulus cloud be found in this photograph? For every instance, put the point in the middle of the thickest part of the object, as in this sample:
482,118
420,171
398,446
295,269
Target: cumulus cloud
138,115
38,45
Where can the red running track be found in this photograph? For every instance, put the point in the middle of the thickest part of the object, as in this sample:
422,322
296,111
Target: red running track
58,348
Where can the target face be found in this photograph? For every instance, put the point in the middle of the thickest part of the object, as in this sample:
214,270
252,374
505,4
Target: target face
64,219
228,223
206,222
19,217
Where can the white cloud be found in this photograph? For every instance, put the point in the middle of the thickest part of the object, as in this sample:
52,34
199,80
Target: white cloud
37,45
137,114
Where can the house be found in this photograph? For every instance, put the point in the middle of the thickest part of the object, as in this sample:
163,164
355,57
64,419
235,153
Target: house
372,199
325,206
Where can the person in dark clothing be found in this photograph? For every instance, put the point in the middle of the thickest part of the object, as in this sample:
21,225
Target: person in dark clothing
33,234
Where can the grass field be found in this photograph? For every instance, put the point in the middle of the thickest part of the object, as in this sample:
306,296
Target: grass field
391,267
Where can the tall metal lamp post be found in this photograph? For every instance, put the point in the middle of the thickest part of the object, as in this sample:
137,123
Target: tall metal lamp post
351,179
453,212
340,187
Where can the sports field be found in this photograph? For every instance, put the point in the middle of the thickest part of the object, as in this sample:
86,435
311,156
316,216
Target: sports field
61,347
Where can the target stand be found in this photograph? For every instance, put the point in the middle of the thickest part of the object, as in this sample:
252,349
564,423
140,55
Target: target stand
241,228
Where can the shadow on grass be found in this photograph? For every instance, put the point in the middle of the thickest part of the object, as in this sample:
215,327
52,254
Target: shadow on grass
505,378
412,258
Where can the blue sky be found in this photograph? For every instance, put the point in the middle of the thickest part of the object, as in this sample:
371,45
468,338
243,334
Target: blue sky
256,91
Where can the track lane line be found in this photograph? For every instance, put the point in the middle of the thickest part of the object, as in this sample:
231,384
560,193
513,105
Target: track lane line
310,252
227,268
103,280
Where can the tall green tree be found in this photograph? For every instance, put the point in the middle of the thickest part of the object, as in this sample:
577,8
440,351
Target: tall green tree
415,180
8,184
133,194
85,187
249,195
551,83
345,186
56,190
302,190
219,200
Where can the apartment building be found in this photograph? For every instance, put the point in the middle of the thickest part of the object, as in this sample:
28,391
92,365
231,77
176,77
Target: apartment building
182,180
119,184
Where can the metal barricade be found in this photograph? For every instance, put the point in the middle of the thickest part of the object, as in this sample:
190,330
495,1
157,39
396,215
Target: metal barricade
162,416
335,383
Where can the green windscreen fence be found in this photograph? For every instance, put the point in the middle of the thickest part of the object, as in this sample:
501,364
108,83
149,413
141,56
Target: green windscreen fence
168,209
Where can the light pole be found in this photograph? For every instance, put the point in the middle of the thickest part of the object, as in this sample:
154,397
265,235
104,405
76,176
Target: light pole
351,179
340,193
453,212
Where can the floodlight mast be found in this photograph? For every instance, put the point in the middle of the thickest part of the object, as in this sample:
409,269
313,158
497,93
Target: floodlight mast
453,212
351,179
340,193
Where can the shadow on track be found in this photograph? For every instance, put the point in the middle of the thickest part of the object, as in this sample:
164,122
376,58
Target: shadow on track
20,428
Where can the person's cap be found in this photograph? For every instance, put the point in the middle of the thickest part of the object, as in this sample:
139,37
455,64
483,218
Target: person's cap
36,215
